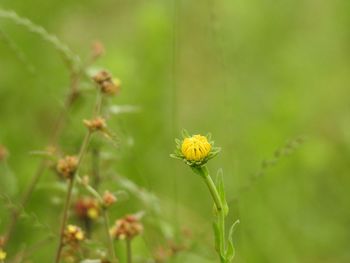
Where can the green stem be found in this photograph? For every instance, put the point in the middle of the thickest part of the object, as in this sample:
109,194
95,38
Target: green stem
219,206
64,220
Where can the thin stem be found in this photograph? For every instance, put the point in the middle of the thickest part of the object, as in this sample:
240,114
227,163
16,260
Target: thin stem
64,219
69,194
218,203
128,251
95,168
109,238
212,188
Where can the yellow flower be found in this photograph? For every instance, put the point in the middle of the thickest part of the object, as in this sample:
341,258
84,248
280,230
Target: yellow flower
73,234
79,236
2,254
195,148
92,213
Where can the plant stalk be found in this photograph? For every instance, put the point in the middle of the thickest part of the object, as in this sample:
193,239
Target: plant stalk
218,204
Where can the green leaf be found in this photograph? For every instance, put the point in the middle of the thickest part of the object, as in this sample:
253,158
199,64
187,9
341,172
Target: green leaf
230,252
221,189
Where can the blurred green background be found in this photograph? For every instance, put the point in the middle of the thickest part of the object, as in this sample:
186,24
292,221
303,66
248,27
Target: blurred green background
254,73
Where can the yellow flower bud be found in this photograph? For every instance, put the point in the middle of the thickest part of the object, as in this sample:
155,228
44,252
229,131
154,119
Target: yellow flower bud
195,148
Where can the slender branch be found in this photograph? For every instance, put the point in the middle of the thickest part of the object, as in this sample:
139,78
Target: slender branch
64,219
69,194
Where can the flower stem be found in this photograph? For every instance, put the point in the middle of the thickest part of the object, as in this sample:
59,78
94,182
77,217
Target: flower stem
128,251
64,219
69,195
219,206
212,188
109,238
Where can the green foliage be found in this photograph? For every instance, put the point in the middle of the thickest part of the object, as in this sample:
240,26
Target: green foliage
254,73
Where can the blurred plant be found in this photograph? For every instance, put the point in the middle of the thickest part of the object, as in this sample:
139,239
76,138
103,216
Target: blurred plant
77,70
196,151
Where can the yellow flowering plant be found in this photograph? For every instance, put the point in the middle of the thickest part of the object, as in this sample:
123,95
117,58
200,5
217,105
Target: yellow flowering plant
196,151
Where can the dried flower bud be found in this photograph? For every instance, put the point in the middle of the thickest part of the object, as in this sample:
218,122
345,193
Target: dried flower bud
97,49
126,228
3,153
106,83
111,87
2,254
87,208
102,76
97,124
73,234
67,166
108,199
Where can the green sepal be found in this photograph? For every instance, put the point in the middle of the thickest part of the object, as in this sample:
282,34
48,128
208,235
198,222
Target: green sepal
185,134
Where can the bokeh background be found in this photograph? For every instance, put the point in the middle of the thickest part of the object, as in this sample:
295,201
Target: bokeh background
259,75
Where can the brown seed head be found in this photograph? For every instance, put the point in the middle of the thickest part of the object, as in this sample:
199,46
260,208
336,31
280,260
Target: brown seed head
97,124
126,228
102,76
67,166
106,83
108,199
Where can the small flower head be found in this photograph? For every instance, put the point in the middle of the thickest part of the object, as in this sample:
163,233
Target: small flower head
73,234
2,254
195,150
108,199
106,83
87,208
97,124
67,166
126,228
